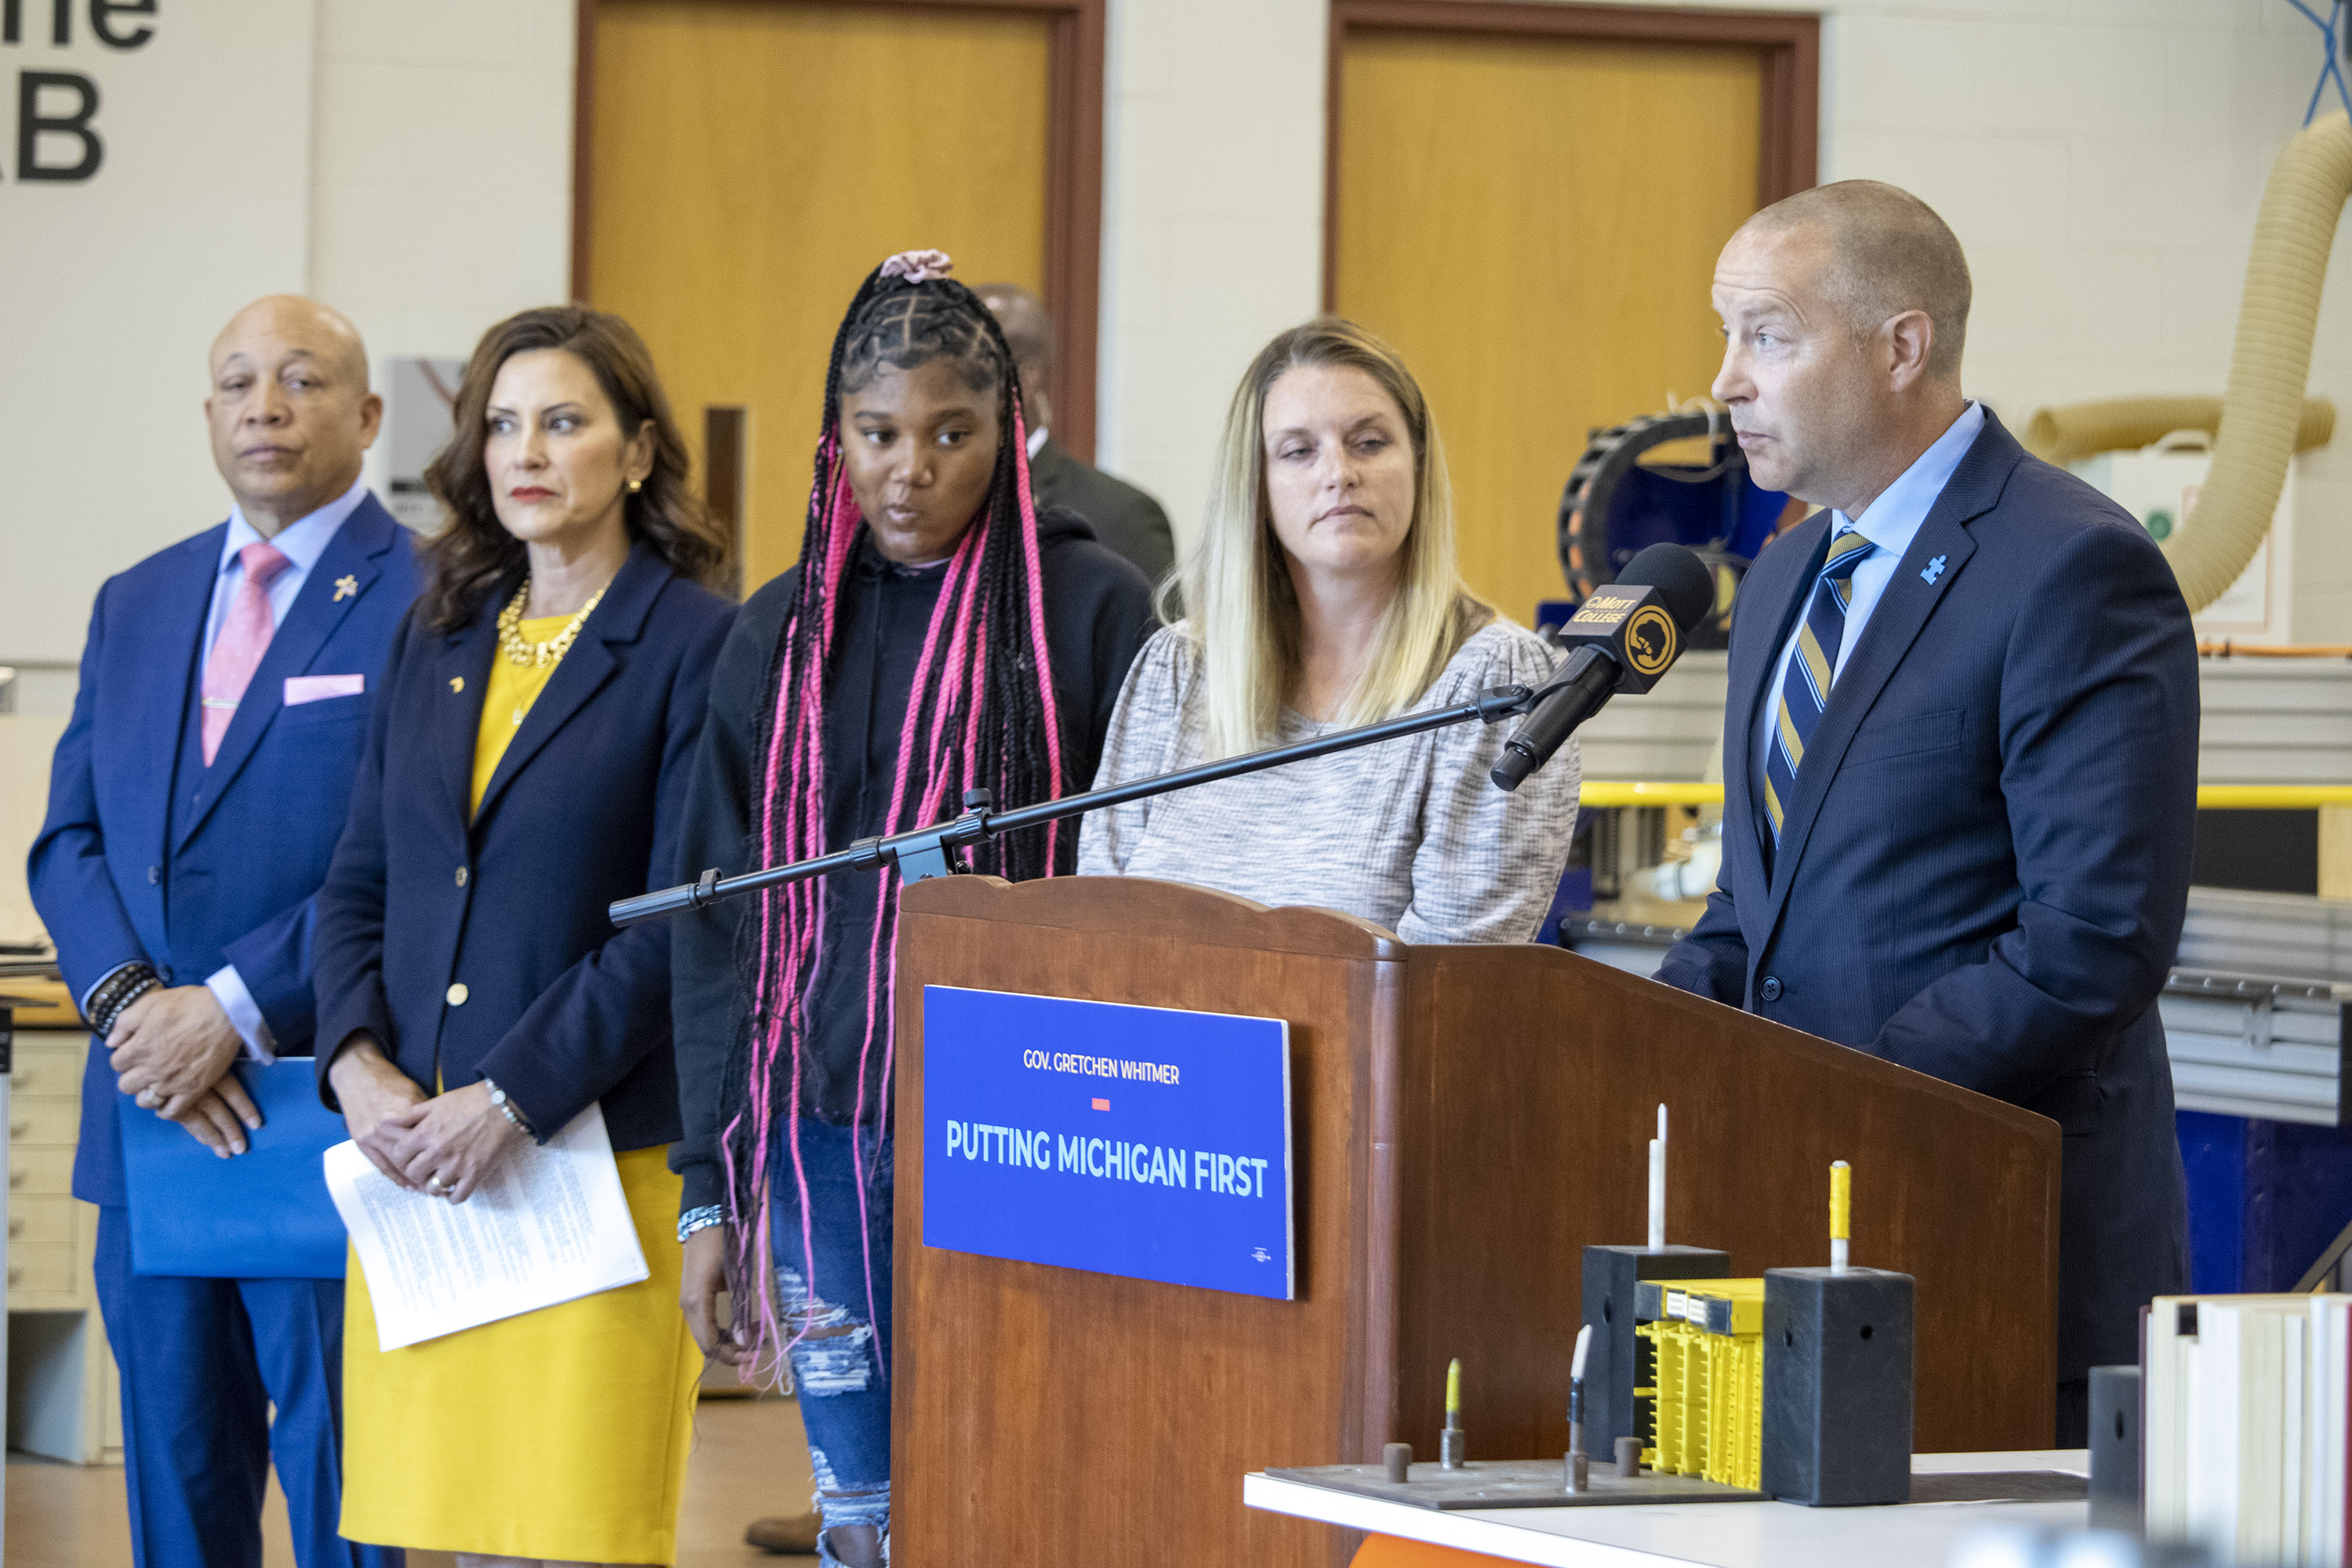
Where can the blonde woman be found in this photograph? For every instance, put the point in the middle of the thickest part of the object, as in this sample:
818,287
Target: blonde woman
1323,594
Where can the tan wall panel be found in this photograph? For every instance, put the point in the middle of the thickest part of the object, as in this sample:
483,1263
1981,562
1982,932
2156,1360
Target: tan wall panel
751,162
1534,223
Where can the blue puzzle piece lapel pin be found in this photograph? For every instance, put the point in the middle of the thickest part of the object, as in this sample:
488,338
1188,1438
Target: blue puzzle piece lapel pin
1930,572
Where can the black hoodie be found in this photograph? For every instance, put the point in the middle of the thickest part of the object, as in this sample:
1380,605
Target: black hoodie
1098,614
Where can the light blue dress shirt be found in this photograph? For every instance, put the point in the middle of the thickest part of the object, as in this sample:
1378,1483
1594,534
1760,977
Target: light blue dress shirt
301,542
1890,522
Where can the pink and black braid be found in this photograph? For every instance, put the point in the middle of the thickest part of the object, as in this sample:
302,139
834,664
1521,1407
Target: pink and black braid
982,715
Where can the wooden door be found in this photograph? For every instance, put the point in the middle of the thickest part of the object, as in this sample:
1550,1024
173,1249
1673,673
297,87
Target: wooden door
750,164
1533,220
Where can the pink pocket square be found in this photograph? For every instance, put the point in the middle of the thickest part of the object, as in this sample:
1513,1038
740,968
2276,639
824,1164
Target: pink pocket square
301,689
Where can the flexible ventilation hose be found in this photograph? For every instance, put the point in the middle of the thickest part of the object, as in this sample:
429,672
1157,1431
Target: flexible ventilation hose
2263,408
2079,430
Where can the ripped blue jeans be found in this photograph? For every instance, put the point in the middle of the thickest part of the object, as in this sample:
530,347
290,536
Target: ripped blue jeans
840,1367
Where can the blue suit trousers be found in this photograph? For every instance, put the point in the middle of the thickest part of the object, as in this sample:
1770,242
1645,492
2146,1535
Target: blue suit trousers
202,1362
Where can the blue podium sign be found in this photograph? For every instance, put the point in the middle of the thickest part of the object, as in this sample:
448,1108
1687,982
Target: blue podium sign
1136,1141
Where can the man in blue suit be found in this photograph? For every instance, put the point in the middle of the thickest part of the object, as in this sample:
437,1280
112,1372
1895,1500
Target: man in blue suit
1960,749
194,803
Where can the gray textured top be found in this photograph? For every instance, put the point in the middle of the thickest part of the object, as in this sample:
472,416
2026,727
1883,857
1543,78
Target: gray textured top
1407,834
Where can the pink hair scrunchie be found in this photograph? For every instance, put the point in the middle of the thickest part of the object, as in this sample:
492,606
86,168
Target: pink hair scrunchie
919,266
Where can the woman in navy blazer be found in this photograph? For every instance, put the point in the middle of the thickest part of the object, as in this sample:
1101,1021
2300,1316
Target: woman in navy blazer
528,765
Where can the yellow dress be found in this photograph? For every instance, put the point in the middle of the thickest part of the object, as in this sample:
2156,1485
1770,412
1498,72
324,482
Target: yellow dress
560,1433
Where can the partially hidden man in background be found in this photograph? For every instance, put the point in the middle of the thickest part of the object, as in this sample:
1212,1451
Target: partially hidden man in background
1960,746
194,803
1124,518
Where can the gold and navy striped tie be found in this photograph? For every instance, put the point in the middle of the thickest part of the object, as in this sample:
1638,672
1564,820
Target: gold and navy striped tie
1805,690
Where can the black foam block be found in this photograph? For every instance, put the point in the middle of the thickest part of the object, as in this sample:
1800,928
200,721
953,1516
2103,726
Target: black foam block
1837,1386
2114,1448
1618,1363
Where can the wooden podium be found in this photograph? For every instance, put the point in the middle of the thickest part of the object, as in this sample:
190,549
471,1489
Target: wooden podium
1466,1121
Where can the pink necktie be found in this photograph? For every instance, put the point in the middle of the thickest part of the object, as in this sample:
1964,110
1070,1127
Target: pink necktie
244,638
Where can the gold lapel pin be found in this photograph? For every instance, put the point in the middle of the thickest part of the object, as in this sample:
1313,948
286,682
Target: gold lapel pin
346,587
456,683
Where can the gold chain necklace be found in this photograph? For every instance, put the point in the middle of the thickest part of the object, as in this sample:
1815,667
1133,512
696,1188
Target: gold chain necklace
535,655
538,655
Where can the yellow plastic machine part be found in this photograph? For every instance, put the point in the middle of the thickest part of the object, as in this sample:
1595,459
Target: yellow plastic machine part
1707,1407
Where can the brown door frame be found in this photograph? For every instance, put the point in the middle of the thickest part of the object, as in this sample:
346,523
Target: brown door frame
1074,181
1789,145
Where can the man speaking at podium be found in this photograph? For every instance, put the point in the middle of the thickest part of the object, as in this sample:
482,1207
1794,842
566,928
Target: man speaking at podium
1960,744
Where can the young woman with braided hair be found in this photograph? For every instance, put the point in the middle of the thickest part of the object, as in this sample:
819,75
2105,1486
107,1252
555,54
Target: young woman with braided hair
938,635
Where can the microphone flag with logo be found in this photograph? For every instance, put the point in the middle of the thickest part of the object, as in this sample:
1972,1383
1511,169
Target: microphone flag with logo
1623,638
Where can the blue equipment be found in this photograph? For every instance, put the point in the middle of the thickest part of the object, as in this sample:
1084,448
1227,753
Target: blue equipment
1616,507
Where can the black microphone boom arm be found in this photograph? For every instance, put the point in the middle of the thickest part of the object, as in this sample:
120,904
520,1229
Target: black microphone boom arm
1623,639
936,850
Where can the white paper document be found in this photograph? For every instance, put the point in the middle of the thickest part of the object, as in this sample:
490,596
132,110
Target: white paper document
550,1224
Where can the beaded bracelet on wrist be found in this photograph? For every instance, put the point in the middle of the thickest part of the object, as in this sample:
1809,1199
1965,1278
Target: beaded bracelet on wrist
113,994
119,1003
702,1219
116,992
507,1109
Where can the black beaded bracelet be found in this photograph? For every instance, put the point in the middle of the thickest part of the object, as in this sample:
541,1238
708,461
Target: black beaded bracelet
117,992
146,983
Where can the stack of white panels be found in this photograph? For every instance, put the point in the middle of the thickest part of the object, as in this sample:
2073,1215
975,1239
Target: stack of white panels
2248,1450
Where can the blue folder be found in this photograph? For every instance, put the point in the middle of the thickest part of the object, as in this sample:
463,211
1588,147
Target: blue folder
264,1214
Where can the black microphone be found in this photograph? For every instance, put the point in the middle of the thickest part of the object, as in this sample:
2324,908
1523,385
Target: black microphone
1625,637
